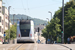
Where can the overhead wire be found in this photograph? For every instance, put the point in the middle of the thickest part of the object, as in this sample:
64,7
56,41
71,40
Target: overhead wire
42,6
7,3
23,6
57,1
33,7
46,5
28,8
11,7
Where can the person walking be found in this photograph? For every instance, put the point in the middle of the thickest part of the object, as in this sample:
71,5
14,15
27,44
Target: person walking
68,40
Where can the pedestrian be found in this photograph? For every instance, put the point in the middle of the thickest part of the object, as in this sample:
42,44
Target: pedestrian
68,40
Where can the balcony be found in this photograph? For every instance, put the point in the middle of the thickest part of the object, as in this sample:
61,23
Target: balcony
1,34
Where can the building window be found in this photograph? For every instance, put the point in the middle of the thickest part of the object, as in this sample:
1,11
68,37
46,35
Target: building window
0,28
6,25
2,22
6,16
0,18
0,7
2,31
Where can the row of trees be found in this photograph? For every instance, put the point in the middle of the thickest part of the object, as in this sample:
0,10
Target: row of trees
52,30
54,26
12,32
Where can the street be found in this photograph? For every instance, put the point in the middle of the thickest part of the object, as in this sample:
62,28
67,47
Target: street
23,46
52,47
35,46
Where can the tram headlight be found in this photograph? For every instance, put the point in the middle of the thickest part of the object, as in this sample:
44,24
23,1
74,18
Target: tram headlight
19,35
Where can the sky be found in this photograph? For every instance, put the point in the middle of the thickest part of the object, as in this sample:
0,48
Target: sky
34,8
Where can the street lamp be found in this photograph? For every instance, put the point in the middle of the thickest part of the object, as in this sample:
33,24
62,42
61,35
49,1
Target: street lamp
9,21
51,18
51,14
13,18
47,19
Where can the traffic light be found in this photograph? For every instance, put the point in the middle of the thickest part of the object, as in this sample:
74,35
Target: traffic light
4,32
38,29
62,30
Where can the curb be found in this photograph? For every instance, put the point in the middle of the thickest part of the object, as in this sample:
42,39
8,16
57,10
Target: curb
65,46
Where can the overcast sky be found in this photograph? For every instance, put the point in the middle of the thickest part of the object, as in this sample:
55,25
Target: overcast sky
34,8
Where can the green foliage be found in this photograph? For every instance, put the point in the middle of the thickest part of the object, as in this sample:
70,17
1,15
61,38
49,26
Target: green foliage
69,19
52,29
12,32
45,33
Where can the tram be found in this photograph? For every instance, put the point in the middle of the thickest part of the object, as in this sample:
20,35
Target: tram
25,31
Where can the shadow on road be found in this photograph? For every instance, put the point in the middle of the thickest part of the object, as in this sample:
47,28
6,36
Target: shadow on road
25,42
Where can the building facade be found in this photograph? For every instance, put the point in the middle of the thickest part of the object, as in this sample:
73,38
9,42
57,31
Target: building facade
3,21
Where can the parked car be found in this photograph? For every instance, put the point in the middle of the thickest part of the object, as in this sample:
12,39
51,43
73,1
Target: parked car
5,42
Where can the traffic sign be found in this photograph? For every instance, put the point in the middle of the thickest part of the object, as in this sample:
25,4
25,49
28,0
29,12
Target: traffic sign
48,40
38,41
4,35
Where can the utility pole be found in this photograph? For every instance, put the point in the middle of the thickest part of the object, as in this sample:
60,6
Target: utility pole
62,22
38,34
51,18
9,22
13,18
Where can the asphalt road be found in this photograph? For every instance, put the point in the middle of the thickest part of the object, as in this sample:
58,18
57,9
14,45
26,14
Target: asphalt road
23,46
56,46
35,46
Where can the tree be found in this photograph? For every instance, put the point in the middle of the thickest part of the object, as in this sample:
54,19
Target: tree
12,32
69,19
52,29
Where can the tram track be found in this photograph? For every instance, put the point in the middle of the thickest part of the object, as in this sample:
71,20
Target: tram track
20,46
25,46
